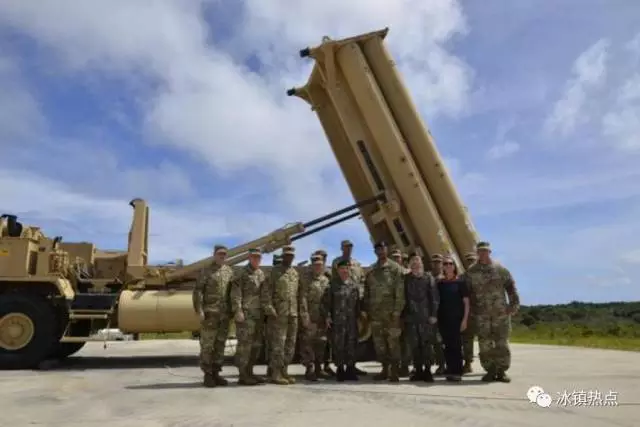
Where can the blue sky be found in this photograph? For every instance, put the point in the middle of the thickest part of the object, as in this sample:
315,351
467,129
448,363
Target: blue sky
535,106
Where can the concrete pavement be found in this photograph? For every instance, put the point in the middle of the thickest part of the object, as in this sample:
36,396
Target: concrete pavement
157,383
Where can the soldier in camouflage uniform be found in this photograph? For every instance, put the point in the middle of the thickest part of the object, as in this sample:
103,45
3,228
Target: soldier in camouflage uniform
313,337
405,345
211,302
420,316
327,349
245,305
438,350
383,304
356,272
468,335
282,302
342,308
276,261
490,283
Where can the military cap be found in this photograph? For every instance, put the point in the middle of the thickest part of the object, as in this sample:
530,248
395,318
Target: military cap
396,252
343,263
277,257
317,259
218,248
346,243
288,250
483,246
255,251
321,252
380,244
470,255
436,257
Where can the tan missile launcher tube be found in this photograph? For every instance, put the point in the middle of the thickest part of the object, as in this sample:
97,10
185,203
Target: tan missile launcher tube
421,144
410,215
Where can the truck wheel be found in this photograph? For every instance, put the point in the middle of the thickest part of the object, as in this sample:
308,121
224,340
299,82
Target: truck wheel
27,331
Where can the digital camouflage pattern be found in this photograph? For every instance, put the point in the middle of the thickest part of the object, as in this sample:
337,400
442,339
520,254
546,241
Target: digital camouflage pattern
383,302
469,334
342,307
245,298
212,293
489,285
438,349
356,272
314,287
422,301
282,301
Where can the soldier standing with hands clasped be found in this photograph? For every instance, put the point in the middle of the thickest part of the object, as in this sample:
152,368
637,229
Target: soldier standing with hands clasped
383,304
420,314
342,308
245,305
282,301
314,287
469,334
405,346
211,302
490,284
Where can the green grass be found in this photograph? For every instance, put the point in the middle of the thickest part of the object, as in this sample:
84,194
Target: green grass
166,336
593,341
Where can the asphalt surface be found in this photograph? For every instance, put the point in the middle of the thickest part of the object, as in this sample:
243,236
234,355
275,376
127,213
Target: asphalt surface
158,383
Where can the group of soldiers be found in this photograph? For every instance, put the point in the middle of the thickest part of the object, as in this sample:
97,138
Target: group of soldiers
320,308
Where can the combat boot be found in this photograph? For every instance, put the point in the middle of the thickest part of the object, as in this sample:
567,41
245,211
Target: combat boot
216,376
260,379
393,373
340,375
359,372
466,369
310,374
328,370
351,373
320,373
439,370
404,370
417,375
269,371
209,381
490,376
277,378
286,376
245,378
502,377
384,373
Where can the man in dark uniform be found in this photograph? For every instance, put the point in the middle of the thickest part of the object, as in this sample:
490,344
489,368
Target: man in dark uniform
327,351
438,351
342,308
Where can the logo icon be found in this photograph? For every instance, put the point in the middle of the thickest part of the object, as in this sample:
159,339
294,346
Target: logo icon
536,395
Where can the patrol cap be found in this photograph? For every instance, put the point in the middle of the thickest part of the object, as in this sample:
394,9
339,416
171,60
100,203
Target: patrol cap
396,253
343,263
289,250
380,244
220,248
483,246
317,259
321,252
277,257
254,251
346,243
436,258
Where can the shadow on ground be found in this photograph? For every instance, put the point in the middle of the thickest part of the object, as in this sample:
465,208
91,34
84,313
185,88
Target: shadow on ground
115,362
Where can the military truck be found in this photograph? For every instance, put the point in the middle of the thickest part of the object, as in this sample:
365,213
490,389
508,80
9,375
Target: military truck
55,295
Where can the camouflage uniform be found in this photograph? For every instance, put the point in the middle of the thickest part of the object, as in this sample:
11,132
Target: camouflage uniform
277,260
245,299
406,351
422,300
356,274
342,307
383,303
327,371
490,284
281,302
468,335
211,295
438,350
313,337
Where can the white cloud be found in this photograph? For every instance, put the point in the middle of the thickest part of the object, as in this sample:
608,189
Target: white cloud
589,72
204,101
503,150
621,124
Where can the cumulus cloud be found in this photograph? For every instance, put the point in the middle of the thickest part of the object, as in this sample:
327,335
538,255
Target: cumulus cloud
589,72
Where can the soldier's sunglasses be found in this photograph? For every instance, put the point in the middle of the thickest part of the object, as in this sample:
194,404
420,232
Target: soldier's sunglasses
447,263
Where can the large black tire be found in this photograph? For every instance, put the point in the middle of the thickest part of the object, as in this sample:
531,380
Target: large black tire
43,318
62,350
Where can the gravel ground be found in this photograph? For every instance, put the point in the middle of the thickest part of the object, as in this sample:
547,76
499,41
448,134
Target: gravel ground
158,383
